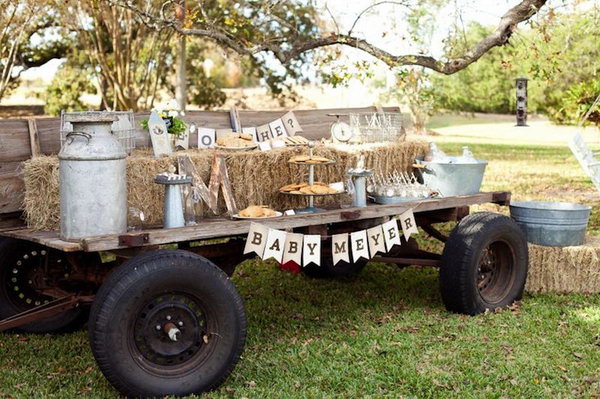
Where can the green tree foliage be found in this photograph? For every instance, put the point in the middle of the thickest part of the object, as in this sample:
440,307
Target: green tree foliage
65,90
20,22
559,56
134,64
485,86
205,84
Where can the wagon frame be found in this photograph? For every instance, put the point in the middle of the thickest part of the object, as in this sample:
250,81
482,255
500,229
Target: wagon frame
483,266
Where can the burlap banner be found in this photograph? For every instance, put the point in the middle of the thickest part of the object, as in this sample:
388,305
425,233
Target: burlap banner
306,249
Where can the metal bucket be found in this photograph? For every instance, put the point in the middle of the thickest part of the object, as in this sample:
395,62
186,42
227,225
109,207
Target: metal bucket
93,188
453,178
556,224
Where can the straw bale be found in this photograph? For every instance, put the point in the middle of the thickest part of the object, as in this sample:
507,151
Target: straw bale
565,269
255,177
41,200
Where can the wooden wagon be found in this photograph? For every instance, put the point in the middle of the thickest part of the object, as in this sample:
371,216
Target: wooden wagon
168,321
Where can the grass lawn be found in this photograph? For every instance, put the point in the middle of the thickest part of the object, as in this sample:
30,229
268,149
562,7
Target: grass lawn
383,334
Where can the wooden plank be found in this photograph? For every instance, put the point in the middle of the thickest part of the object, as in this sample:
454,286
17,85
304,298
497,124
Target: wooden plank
11,221
12,187
315,122
12,191
226,186
14,140
234,117
218,228
34,138
47,238
49,133
10,168
187,167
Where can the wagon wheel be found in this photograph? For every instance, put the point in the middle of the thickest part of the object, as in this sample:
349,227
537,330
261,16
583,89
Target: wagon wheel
28,272
167,322
484,264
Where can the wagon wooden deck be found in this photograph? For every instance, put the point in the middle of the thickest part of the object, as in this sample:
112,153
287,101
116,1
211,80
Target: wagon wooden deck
221,227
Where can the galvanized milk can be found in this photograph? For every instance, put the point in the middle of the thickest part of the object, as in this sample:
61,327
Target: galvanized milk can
93,187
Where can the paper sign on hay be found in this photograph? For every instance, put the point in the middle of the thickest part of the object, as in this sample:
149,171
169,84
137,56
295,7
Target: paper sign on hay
275,245
263,133
408,223
293,248
257,239
159,135
277,129
291,124
391,234
340,249
376,240
311,251
360,246
206,137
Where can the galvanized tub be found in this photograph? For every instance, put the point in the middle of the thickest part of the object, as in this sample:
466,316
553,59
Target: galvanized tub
556,224
453,178
92,171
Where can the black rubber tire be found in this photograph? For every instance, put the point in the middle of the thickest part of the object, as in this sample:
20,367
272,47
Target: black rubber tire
476,240
343,270
11,251
121,300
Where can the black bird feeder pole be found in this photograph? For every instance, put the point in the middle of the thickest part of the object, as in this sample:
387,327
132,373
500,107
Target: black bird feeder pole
521,101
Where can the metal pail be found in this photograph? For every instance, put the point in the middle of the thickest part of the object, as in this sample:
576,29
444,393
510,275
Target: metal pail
557,224
453,178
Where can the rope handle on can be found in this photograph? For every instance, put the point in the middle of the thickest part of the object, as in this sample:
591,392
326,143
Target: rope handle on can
82,134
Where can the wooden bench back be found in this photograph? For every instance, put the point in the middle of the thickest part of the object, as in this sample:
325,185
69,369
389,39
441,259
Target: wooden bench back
20,139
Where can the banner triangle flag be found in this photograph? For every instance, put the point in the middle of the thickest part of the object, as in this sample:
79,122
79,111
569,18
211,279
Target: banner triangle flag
391,234
360,246
340,249
311,253
257,239
409,225
275,245
376,240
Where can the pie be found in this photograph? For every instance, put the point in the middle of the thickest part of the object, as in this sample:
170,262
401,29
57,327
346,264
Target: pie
235,140
257,211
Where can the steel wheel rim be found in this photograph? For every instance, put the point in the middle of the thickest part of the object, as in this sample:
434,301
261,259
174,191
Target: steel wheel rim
153,349
25,273
495,272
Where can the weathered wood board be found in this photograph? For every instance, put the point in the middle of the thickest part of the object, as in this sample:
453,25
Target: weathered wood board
218,228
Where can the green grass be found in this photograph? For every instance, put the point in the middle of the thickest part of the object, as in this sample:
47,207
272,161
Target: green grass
452,119
383,334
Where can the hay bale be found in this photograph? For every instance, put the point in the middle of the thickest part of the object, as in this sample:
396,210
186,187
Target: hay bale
255,177
565,269
41,201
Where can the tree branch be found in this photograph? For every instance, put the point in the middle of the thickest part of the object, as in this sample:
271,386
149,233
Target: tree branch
286,52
